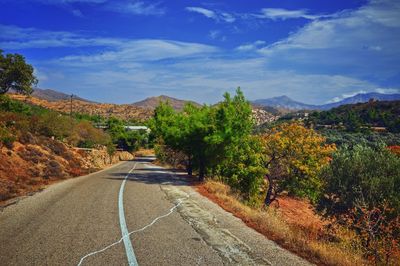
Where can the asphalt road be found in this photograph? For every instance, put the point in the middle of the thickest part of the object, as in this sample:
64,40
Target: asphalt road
81,221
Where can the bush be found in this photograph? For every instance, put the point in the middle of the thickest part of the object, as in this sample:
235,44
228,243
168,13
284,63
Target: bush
53,169
6,137
362,189
84,135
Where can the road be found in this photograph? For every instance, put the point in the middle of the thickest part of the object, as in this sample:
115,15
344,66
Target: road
133,213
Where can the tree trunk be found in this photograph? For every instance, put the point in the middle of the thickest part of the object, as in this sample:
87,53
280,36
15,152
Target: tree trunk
189,167
270,197
201,170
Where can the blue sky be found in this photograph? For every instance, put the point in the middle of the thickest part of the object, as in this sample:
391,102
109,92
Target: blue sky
125,50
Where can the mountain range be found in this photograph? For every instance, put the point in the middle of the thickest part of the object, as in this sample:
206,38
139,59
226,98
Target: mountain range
284,102
280,104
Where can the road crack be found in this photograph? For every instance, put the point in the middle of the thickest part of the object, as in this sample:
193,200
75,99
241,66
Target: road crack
177,204
230,248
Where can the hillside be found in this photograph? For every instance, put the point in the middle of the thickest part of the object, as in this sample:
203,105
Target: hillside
152,102
121,111
384,114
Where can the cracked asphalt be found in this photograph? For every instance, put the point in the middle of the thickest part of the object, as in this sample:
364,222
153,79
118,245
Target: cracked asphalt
73,218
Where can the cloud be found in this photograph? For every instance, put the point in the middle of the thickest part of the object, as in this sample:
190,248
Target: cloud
351,51
77,13
251,46
346,95
215,15
14,37
137,8
283,14
387,90
142,50
205,12
348,42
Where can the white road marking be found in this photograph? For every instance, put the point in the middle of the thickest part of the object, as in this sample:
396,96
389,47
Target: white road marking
179,202
130,254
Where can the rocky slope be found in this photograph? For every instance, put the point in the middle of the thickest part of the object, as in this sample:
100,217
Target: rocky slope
35,162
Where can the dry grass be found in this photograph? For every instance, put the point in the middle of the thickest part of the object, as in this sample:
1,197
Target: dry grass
144,152
308,240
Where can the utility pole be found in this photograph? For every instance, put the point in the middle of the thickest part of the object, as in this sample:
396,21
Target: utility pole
70,111
70,114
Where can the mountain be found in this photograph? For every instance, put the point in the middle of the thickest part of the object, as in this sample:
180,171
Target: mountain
287,103
283,102
362,98
52,95
152,102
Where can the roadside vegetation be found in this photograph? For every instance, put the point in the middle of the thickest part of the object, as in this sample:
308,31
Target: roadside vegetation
36,144
353,190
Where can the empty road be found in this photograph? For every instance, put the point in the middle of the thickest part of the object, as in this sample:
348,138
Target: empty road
134,213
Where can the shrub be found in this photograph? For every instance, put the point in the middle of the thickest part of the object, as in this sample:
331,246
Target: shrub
362,189
6,137
53,169
84,135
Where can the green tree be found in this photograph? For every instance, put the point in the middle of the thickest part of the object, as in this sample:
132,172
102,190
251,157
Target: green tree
16,74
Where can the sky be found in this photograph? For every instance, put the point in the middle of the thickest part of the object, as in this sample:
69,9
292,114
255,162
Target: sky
122,51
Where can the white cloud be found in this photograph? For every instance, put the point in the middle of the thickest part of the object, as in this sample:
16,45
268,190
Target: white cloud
387,90
142,50
213,14
250,46
13,37
137,8
205,12
283,14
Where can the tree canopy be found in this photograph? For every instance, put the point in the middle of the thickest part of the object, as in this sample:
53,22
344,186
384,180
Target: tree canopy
16,74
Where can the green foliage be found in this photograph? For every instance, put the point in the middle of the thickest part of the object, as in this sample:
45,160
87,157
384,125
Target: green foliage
372,139
295,156
16,74
125,139
6,136
21,119
216,141
361,173
359,117
362,190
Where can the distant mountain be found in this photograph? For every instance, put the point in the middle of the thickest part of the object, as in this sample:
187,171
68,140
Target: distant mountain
52,95
362,98
152,102
283,102
287,103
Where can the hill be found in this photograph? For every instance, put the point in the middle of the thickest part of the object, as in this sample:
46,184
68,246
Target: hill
152,102
288,103
122,111
353,117
52,95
